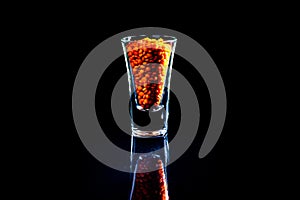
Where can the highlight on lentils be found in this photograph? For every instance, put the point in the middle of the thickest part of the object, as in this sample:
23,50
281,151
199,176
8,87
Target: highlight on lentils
149,60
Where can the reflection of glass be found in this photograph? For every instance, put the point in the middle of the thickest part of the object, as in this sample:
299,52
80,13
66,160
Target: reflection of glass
149,65
149,168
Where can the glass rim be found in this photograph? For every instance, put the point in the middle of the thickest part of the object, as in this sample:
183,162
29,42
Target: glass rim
166,38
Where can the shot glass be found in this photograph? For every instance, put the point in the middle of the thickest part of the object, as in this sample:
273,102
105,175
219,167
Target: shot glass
149,60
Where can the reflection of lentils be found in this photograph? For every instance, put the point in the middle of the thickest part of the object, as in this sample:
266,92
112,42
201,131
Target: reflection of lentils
150,185
149,60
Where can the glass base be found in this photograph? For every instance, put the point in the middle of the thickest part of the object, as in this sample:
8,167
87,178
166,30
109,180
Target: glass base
148,134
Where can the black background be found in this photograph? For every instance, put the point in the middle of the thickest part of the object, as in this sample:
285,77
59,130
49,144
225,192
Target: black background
236,167
44,46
